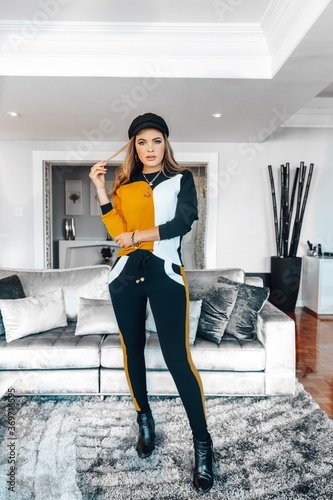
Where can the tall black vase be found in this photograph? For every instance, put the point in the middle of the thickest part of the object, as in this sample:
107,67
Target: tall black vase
285,280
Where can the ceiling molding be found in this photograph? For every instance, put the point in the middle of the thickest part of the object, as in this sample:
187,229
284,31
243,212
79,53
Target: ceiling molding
195,50
146,67
218,50
285,24
27,28
311,118
184,50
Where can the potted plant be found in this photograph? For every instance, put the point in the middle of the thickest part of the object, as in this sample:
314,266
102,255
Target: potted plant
286,266
107,254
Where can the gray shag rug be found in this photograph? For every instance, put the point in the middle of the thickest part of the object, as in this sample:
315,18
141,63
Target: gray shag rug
69,448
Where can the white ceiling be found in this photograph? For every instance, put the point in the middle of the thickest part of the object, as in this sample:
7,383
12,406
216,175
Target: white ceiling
81,70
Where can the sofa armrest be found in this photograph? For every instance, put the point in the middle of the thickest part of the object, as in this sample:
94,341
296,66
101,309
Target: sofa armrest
276,331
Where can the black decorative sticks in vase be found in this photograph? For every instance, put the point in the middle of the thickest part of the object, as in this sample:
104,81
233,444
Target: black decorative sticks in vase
287,227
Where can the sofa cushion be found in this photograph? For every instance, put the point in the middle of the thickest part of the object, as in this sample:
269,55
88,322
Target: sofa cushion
95,317
250,300
194,314
201,280
31,315
231,355
56,349
10,288
215,312
91,282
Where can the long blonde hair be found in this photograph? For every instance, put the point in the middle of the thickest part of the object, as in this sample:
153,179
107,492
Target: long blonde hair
132,164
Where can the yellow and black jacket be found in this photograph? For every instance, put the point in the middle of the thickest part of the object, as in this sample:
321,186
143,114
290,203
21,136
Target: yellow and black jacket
170,204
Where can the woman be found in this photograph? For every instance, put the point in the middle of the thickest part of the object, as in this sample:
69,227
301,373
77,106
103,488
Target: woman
154,205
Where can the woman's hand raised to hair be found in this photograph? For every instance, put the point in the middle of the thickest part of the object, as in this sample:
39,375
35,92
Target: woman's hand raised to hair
97,175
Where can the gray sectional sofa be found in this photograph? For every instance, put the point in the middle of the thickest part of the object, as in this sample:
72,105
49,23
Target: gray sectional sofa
57,361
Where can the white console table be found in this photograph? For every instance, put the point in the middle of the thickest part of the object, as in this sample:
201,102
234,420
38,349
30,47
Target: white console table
67,249
318,284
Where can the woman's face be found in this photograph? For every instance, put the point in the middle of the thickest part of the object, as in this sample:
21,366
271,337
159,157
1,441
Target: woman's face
150,147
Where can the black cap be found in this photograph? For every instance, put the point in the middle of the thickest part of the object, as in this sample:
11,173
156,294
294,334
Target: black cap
148,120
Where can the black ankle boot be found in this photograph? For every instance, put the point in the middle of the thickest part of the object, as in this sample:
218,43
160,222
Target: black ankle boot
203,471
146,441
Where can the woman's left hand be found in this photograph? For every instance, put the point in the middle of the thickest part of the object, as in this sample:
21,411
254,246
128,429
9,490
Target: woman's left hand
124,240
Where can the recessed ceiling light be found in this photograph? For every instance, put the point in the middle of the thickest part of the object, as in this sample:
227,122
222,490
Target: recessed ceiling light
217,115
13,114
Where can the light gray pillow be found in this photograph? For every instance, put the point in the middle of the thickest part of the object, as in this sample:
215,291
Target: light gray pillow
95,316
194,313
216,309
23,317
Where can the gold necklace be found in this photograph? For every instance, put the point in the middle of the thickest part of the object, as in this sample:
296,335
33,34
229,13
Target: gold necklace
150,183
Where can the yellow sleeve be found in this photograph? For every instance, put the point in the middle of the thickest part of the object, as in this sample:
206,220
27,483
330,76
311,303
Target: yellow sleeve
114,220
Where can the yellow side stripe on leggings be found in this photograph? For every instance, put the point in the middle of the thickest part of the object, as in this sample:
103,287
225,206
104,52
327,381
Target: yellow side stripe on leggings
188,350
137,407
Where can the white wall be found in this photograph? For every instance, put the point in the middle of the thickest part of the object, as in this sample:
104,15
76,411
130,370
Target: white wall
16,233
245,232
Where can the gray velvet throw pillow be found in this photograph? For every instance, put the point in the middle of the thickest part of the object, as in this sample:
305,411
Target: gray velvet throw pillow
243,319
215,311
10,288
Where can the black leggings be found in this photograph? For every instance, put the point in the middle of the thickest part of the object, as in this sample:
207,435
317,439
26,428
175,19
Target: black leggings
134,279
